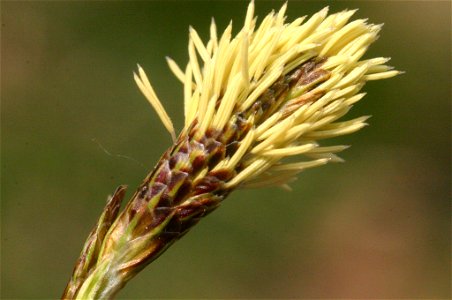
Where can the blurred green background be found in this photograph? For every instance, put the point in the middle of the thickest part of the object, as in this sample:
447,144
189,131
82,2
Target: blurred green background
74,126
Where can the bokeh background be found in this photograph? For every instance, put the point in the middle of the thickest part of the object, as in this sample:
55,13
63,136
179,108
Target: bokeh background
74,126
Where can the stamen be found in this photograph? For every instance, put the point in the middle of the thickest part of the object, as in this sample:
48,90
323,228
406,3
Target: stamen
146,88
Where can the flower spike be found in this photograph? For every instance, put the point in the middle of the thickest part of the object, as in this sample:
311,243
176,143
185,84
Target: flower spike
271,92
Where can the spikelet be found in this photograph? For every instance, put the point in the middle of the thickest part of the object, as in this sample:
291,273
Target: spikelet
272,92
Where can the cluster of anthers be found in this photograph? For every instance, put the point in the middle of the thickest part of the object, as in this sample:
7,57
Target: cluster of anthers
271,92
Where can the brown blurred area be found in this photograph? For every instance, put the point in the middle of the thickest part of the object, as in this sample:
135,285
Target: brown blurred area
74,126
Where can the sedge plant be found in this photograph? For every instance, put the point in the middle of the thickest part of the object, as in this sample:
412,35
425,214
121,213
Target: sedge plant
274,90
